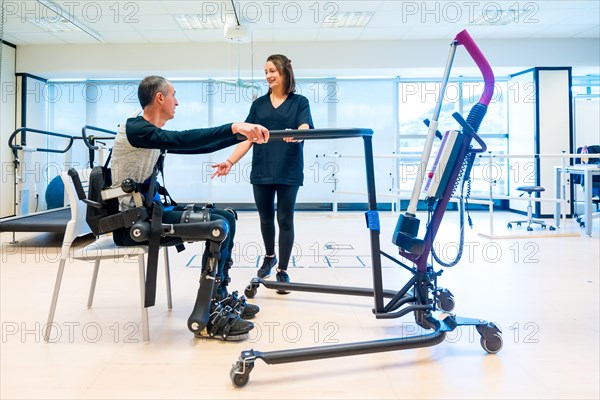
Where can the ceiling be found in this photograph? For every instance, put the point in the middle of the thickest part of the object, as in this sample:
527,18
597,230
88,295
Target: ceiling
153,21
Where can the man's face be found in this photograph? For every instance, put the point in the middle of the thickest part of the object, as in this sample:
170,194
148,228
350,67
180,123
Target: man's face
169,102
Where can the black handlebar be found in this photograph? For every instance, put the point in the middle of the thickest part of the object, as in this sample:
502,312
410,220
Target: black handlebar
310,134
16,147
89,141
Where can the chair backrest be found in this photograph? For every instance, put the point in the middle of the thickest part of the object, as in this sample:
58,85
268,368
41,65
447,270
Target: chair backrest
592,149
77,225
578,179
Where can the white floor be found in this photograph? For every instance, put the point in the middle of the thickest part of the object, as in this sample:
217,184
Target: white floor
542,291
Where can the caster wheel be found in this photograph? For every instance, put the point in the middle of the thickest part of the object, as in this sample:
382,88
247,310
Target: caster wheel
488,330
582,224
239,378
250,291
445,300
447,304
509,226
529,229
552,228
491,337
519,224
543,226
493,344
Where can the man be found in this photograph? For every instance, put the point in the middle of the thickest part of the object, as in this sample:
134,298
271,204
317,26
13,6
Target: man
136,151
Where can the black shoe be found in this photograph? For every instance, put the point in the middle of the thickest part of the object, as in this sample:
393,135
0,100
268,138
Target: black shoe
282,276
225,324
240,305
267,266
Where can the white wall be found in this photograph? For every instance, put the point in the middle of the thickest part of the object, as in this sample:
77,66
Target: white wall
521,125
587,120
7,126
364,58
555,125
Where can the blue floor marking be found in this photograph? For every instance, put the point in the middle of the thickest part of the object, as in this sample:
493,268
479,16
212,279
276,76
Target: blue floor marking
189,262
360,261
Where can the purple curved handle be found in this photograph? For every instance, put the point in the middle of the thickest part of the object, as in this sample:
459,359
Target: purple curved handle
463,38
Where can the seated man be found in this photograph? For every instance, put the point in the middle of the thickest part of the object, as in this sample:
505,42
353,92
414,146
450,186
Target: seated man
137,150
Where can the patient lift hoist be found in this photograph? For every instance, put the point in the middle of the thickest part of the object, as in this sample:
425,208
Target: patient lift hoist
421,294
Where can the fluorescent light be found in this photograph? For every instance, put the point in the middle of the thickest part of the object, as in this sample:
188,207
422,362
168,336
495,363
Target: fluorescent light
498,17
61,24
358,19
54,24
199,21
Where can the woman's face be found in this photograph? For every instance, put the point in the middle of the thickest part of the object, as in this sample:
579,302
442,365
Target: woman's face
272,75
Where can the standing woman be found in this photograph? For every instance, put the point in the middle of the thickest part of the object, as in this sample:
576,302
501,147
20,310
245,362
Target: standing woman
277,167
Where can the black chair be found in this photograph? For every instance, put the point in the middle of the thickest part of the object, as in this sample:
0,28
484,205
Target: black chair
529,190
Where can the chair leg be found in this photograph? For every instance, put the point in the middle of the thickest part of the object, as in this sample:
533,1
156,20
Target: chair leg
168,279
59,275
145,327
529,215
93,284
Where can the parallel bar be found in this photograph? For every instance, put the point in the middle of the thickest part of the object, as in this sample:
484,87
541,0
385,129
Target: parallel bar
311,134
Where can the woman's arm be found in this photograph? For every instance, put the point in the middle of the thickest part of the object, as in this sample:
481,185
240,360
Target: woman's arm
291,139
224,167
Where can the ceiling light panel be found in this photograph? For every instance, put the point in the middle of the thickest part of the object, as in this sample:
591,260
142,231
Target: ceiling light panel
497,17
199,21
356,19
54,24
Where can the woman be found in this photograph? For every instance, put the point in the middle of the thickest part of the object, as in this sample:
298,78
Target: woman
277,167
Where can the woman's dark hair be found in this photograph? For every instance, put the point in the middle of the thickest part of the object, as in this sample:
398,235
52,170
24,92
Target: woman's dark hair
148,88
284,66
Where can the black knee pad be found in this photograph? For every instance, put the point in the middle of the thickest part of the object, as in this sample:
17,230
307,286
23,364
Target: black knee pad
196,215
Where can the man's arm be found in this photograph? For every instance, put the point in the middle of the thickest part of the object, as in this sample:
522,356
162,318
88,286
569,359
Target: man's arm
141,133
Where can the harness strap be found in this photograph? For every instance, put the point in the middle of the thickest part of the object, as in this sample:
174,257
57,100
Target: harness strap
153,250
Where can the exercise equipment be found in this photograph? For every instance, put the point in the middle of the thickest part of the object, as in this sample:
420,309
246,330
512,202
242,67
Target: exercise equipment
54,219
421,295
55,193
96,143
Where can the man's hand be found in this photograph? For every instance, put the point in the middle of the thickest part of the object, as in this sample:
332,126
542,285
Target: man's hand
254,133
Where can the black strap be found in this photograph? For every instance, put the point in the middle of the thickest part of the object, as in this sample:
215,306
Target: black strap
152,184
153,250
162,190
108,159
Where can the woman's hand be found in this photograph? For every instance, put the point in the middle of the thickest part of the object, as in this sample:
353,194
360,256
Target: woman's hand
290,139
222,169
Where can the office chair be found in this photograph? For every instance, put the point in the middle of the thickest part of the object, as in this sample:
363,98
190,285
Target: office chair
529,190
580,180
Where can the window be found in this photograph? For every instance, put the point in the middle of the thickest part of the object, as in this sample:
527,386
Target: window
394,108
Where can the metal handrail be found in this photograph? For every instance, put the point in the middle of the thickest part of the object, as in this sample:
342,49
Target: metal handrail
15,147
89,141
